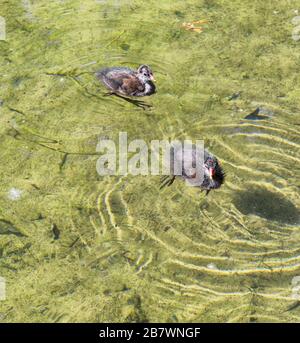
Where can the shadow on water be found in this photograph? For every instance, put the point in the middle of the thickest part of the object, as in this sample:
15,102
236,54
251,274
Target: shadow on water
268,205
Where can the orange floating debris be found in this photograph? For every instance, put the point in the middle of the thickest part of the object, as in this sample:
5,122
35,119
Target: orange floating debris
197,29
191,26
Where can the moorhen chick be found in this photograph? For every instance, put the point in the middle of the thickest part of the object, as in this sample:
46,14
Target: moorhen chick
213,174
128,82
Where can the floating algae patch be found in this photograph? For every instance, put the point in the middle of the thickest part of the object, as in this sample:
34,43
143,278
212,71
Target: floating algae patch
112,249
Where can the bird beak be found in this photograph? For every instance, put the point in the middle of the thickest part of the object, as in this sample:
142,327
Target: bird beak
152,78
211,173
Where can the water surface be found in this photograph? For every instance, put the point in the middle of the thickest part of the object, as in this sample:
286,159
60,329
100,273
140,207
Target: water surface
79,247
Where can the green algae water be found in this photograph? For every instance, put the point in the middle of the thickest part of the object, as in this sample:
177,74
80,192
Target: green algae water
79,247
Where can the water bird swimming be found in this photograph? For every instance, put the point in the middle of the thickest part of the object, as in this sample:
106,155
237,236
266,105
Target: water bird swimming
213,174
128,82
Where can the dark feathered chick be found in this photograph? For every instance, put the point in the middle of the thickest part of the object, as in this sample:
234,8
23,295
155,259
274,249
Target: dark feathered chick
183,164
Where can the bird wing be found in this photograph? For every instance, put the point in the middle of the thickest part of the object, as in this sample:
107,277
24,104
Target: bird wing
114,78
132,85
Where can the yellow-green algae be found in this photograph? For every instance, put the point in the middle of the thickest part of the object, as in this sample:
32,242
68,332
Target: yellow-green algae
128,251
